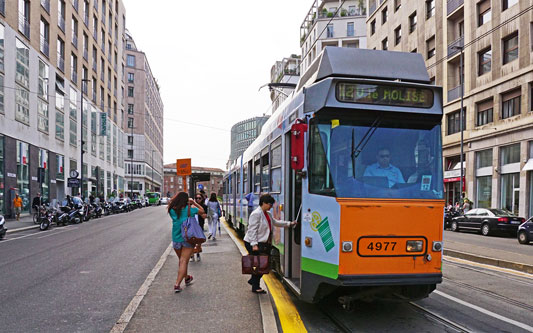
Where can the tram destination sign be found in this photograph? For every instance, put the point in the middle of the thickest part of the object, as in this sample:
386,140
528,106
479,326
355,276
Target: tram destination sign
384,95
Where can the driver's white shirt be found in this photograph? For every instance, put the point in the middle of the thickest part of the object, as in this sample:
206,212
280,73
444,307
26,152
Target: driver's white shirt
393,174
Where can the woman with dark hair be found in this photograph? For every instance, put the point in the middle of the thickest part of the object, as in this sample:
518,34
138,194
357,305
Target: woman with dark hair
178,210
199,198
213,212
258,237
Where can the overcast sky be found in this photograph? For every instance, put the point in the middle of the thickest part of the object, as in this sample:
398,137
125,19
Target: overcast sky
210,58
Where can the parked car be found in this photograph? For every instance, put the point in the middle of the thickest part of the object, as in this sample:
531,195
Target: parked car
164,201
525,232
488,221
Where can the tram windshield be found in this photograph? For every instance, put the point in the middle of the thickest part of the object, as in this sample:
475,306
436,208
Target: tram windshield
393,158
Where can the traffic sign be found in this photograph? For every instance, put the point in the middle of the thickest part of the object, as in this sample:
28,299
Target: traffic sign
200,186
183,167
73,182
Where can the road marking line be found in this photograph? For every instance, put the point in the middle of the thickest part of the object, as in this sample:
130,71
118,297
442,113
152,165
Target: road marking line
289,316
490,267
126,316
485,311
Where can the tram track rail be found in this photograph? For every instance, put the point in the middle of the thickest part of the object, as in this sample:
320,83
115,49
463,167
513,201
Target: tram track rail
440,319
498,274
502,298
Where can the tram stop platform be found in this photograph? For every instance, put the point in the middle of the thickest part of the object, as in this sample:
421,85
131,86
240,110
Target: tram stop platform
219,300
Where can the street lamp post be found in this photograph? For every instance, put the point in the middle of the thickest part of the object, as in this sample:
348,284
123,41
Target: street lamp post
82,142
131,163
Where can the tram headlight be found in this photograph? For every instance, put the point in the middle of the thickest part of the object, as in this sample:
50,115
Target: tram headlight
414,246
437,246
347,246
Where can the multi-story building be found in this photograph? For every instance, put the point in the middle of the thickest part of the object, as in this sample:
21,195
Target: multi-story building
332,23
56,56
243,134
496,40
285,71
174,184
144,122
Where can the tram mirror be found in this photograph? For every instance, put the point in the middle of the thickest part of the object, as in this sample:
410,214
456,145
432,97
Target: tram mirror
297,145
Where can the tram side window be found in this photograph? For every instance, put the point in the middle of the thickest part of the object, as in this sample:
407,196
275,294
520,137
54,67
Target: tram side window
320,177
265,173
238,179
245,179
276,166
250,187
257,176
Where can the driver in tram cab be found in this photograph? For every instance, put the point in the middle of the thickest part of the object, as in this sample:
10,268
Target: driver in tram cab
383,168
423,160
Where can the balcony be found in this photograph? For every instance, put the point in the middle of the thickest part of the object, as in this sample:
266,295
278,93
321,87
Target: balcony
24,26
45,48
61,23
46,5
454,93
74,77
455,46
452,5
75,41
61,62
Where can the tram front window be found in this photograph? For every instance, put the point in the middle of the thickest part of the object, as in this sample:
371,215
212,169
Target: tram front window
393,158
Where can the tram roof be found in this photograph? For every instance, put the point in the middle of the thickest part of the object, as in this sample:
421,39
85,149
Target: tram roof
363,63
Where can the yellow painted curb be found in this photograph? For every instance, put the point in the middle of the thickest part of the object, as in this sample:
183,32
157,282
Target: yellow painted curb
288,315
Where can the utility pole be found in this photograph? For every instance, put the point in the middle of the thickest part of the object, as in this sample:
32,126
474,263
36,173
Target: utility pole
131,161
461,127
83,81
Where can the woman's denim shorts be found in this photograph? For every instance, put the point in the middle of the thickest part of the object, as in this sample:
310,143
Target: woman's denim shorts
179,245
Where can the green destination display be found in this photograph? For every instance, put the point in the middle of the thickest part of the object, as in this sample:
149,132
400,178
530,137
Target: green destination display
384,95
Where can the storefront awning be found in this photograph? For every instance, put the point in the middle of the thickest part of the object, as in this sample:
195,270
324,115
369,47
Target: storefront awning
529,165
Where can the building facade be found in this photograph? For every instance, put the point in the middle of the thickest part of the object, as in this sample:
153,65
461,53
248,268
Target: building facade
144,124
332,23
174,184
61,84
496,38
285,71
243,134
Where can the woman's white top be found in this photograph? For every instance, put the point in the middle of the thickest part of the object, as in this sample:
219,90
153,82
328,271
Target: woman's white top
258,230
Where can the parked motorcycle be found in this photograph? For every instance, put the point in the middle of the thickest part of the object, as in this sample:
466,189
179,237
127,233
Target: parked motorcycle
3,229
46,217
449,214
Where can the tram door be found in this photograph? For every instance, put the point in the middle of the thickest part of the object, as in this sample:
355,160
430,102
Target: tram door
293,203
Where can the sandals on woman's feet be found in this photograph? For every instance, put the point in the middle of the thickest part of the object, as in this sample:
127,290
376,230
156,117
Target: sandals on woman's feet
188,280
259,291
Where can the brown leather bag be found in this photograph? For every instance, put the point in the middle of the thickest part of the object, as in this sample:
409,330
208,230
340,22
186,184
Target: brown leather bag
255,264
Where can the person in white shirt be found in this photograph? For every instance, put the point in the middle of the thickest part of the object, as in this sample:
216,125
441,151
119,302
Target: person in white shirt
383,168
258,237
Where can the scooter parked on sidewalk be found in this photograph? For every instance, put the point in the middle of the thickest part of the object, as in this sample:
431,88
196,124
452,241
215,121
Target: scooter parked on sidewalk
3,229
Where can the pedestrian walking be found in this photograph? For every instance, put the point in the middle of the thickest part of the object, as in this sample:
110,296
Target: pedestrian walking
466,206
258,238
199,198
17,204
213,214
178,211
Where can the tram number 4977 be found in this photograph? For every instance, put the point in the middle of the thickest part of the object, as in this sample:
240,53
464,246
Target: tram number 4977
381,246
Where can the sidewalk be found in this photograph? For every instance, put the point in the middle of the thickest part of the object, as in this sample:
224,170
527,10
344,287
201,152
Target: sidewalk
489,256
25,222
220,300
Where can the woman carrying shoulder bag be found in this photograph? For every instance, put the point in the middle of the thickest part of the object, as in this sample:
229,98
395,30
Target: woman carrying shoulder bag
213,212
178,211
258,237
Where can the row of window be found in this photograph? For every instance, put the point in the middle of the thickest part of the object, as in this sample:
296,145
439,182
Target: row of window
510,106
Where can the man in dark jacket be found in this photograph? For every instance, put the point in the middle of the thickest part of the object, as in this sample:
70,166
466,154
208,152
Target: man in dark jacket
37,201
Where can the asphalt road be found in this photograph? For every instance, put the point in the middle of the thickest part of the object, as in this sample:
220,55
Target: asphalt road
498,242
78,278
